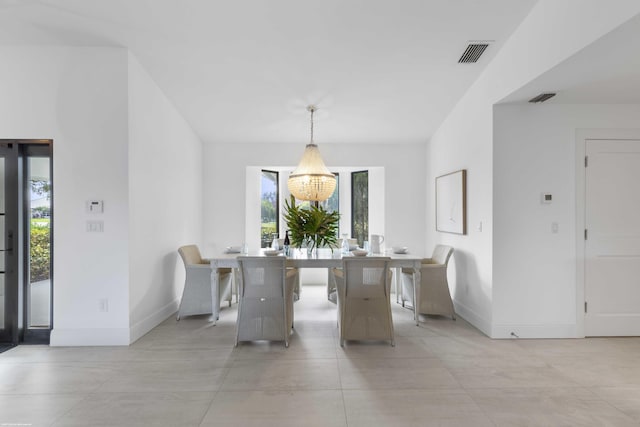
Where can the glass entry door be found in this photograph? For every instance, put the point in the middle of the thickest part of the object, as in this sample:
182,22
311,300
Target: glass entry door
8,232
25,241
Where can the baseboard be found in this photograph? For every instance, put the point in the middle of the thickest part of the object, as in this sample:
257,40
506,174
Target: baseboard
148,323
89,337
471,316
501,331
551,330
111,336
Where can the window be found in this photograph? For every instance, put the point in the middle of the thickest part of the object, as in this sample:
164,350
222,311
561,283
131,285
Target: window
39,231
267,192
332,204
269,207
360,206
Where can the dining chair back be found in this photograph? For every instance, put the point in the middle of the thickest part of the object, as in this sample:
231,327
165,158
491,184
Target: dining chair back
265,310
441,255
432,293
363,293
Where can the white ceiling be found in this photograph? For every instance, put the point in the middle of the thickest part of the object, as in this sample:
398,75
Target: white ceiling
244,70
605,72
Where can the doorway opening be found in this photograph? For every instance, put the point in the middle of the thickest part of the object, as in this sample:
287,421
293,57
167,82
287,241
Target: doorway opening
26,246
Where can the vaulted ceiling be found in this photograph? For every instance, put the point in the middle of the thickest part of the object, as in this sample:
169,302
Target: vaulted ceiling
379,71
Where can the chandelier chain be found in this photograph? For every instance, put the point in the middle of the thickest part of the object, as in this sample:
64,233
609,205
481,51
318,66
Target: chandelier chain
312,110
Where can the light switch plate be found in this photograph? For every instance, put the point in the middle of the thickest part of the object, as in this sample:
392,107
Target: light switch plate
95,226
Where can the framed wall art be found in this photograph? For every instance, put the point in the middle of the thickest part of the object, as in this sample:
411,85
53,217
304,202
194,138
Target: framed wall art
451,202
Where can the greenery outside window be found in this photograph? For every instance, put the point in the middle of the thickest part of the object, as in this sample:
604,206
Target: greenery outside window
269,207
332,204
360,206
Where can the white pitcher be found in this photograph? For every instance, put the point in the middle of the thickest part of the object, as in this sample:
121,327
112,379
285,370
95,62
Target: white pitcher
376,243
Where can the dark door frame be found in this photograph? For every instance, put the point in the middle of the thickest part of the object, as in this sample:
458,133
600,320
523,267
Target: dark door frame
17,239
10,333
33,335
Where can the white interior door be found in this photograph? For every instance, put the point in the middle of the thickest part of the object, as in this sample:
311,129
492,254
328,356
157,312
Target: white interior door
612,245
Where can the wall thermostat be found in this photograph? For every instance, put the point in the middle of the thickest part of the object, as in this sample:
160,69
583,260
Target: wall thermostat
546,198
95,206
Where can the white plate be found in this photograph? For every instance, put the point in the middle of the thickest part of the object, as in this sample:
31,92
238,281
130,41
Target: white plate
400,249
360,252
271,252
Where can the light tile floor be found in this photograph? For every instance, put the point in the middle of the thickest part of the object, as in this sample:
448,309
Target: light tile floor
442,373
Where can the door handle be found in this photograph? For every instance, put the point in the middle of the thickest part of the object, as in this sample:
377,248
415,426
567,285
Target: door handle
9,242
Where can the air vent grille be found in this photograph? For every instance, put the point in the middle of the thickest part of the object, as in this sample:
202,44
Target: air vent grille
472,53
542,97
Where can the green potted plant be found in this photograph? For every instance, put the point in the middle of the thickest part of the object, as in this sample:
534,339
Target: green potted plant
313,226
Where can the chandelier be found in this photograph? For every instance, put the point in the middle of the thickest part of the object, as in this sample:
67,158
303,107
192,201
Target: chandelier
311,180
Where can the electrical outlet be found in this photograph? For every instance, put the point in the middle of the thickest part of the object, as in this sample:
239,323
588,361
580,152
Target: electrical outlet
103,305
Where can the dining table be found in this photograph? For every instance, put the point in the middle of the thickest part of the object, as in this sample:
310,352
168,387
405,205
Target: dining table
321,258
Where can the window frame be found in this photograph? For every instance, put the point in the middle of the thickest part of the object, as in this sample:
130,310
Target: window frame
277,202
353,207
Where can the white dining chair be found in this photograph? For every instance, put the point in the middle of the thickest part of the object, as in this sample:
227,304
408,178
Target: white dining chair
364,303
196,294
265,310
296,286
432,293
332,293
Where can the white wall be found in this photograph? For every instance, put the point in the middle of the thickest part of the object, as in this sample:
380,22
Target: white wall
165,199
552,32
78,98
225,179
456,147
116,138
534,281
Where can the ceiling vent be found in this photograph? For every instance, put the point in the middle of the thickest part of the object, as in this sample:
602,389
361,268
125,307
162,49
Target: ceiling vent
473,52
542,97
